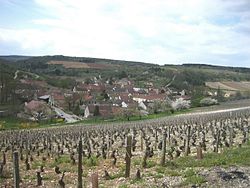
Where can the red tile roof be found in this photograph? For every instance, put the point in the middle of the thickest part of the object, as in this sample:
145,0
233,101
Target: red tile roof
87,97
150,96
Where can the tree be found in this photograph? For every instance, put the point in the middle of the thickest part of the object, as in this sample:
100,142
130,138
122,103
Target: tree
88,81
103,96
180,104
69,99
123,74
129,112
96,111
197,95
220,97
7,85
77,110
156,107
159,106
238,95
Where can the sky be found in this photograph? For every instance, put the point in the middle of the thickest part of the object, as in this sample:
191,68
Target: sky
155,31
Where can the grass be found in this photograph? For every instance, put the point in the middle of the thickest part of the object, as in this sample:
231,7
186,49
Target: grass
90,162
234,156
37,164
151,163
7,123
167,171
171,165
192,178
158,176
29,177
136,162
47,177
123,186
189,172
160,170
132,118
62,159
136,181
172,172
149,174
121,172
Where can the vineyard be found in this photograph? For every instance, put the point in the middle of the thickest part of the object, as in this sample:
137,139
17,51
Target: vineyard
80,65
118,155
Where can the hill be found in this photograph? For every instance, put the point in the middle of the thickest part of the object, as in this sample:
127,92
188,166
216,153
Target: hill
14,58
186,75
64,72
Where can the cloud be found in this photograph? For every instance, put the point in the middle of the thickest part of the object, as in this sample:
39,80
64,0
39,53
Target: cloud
159,31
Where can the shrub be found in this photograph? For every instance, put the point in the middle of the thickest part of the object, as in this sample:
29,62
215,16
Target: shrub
208,102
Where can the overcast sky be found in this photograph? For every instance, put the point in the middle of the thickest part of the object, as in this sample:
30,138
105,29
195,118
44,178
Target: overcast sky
155,31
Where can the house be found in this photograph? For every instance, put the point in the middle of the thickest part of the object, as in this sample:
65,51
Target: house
121,98
90,88
124,105
153,91
118,89
149,97
142,106
183,93
88,98
95,88
149,84
123,82
139,98
184,97
82,88
211,94
48,99
227,95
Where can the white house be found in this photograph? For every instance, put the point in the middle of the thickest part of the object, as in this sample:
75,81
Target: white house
124,105
142,105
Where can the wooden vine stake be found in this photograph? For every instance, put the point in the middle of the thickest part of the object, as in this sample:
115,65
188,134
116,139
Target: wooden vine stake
187,148
163,157
199,153
217,141
94,180
128,156
79,185
16,170
39,178
141,137
230,135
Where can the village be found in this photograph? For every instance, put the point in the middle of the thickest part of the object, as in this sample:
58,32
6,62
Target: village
98,99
